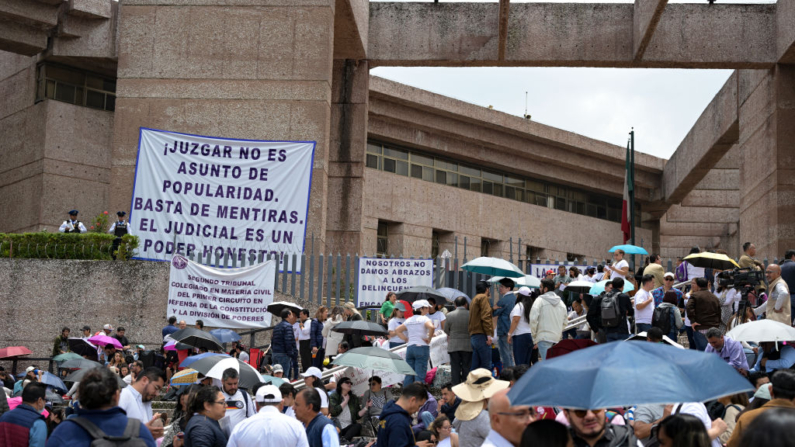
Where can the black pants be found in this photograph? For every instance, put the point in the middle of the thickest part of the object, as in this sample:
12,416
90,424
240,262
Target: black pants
116,243
351,431
305,351
317,362
460,364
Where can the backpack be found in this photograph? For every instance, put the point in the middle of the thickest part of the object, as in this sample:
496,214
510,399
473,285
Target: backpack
130,437
681,272
662,319
715,409
610,310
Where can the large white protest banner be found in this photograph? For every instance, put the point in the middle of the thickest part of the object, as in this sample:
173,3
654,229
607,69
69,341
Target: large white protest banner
221,297
378,276
217,197
538,270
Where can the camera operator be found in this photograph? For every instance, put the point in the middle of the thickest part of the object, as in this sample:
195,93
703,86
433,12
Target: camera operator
778,306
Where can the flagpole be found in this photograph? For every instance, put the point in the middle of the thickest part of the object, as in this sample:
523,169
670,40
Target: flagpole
632,191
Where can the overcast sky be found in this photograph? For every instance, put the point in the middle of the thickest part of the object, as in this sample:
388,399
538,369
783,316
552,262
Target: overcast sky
601,103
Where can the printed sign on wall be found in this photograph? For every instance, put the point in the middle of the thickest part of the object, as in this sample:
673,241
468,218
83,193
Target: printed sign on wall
379,276
220,197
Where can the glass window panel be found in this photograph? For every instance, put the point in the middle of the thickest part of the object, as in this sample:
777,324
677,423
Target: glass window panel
416,171
472,172
498,189
50,89
536,186
109,85
110,102
560,204
63,75
519,195
452,179
488,187
383,229
65,92
421,159
446,165
94,82
372,161
402,168
530,197
601,212
79,97
551,202
590,209
95,99
513,181
396,153
463,181
475,184
541,199
580,208
614,215
389,165
492,176
373,148
510,192
441,177
427,174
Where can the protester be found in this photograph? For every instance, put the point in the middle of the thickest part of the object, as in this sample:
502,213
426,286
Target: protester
502,312
747,259
436,316
316,340
561,279
778,306
608,312
788,275
345,408
589,428
427,413
714,428
582,331
135,368
320,431
397,319
667,317
733,407
729,350
771,428
333,338
668,286
520,334
385,313
61,342
170,328
507,422
774,357
646,417
182,324
352,314
125,343
5,379
727,296
269,427
303,328
206,409
25,426
443,430
459,345
449,401
682,430
547,433
621,267
481,327
417,331
199,325
472,422
179,419
237,401
547,319
395,424
693,272
655,269
374,399
312,379
278,371
136,399
644,304
283,341
703,310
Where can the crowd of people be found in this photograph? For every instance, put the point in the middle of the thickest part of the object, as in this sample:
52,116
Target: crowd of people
491,341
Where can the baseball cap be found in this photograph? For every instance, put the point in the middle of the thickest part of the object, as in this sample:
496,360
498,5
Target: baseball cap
107,327
312,372
399,306
419,304
268,394
524,291
549,272
29,369
668,275
86,328
278,368
141,346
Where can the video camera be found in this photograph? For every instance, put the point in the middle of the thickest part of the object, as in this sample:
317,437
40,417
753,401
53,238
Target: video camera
740,278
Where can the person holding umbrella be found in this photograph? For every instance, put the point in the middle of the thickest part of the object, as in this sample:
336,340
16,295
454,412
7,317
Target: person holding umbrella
352,314
417,331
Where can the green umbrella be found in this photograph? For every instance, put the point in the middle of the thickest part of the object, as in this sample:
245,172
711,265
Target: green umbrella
67,356
376,359
275,381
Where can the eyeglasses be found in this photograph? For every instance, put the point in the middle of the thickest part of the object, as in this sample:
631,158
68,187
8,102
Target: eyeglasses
583,413
220,402
520,414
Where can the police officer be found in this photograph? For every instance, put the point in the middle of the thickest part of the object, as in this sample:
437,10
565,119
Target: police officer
72,225
119,229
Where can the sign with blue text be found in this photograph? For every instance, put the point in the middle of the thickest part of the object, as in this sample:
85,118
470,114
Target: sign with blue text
379,276
220,198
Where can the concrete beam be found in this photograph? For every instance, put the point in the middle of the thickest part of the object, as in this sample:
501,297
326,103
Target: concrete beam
645,17
712,136
92,9
351,19
573,35
21,39
785,32
505,11
29,13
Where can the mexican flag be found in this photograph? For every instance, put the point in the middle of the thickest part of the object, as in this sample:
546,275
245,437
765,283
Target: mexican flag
626,209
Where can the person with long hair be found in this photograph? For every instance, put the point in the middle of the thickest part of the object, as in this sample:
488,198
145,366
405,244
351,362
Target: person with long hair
727,297
734,404
519,334
345,407
317,341
352,314
443,430
547,433
682,430
333,339
180,417
396,320
206,408
386,309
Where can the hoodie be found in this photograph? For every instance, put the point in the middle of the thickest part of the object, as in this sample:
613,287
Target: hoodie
395,427
548,318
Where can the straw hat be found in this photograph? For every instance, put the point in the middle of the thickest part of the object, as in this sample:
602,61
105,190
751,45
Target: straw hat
479,386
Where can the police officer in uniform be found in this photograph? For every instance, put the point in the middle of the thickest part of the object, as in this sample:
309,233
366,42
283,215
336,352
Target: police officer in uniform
119,229
72,225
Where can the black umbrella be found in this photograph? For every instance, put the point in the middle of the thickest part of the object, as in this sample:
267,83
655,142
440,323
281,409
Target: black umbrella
78,375
420,293
81,347
53,397
360,327
277,307
197,339
249,377
80,364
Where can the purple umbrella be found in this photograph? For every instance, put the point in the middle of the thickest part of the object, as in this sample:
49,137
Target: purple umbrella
104,340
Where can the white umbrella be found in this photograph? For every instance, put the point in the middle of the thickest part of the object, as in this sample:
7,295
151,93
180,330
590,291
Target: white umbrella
493,267
762,331
218,369
528,281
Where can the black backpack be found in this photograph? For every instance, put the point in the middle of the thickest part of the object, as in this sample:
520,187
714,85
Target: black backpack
662,319
610,310
130,437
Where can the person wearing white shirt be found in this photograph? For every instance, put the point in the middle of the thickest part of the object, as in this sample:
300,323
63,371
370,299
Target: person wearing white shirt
520,335
714,428
437,316
136,399
303,334
417,331
313,378
269,427
644,304
396,320
72,225
238,403
620,269
507,422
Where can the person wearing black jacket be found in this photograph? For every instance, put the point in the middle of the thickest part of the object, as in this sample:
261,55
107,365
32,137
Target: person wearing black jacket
283,342
395,424
621,330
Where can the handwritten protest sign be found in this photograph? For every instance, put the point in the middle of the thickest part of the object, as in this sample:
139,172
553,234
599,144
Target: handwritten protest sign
225,298
378,276
220,197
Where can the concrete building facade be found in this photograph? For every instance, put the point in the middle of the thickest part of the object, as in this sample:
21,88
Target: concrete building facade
398,169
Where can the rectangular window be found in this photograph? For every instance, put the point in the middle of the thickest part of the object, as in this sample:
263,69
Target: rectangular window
484,247
488,188
434,244
452,179
389,165
513,181
427,174
374,148
463,181
441,177
75,86
372,161
402,168
498,189
396,153
472,172
446,165
421,159
560,203
416,171
476,184
496,178
382,239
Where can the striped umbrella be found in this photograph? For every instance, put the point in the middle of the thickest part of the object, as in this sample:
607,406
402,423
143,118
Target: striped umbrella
187,376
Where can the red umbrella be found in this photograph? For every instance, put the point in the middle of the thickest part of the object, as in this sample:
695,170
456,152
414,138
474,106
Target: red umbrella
14,351
567,346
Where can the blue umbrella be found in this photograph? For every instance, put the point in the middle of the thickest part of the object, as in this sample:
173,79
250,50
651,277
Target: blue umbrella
450,294
614,374
630,249
54,381
225,335
193,358
600,287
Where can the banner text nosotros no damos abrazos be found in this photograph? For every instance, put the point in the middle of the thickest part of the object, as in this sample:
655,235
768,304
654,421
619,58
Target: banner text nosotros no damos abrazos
216,197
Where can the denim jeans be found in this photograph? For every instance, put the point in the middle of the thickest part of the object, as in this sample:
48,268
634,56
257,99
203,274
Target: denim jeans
615,336
417,357
522,348
543,347
690,339
393,344
506,354
481,352
700,340
284,360
643,327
